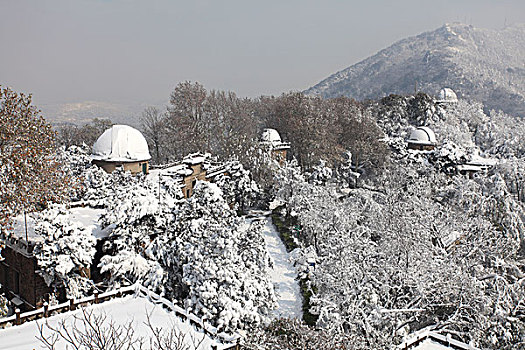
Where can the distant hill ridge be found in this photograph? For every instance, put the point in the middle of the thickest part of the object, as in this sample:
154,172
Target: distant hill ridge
83,112
485,65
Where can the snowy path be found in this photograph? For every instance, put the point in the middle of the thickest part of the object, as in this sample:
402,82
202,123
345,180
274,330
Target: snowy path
282,275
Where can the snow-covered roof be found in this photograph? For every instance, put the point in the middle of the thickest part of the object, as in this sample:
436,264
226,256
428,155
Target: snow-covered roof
476,159
19,228
84,216
426,339
468,167
121,312
476,163
121,143
423,136
272,138
195,158
447,95
429,344
88,218
450,238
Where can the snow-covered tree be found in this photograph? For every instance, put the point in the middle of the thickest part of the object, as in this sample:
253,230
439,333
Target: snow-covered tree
419,251
292,334
196,251
238,187
136,217
501,135
30,175
74,135
222,261
99,187
321,174
3,306
66,253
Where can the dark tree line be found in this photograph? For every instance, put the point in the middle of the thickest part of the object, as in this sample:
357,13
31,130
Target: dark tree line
220,122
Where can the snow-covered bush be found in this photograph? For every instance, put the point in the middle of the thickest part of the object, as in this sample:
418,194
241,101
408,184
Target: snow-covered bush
220,258
320,173
237,186
3,305
66,252
196,251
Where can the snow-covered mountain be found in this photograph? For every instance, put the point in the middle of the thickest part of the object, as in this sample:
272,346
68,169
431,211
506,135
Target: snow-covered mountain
479,64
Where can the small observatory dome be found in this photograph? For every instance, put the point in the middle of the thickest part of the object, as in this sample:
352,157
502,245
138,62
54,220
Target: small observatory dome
447,95
121,143
423,138
422,134
271,136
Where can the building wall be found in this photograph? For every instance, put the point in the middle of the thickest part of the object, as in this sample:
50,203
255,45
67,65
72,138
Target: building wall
134,167
279,155
420,147
18,277
189,181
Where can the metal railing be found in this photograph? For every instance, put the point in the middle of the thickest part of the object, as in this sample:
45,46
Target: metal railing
19,318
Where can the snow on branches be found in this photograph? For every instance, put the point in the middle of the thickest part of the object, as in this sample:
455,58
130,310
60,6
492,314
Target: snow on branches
4,308
291,334
197,251
66,253
221,260
423,251
135,217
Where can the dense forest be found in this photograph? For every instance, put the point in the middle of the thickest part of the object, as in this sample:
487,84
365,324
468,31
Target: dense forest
401,241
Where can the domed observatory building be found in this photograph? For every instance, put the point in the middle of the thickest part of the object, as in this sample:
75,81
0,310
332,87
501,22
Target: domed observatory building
121,146
422,139
270,138
447,95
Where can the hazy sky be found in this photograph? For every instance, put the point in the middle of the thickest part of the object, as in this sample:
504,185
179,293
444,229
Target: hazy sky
136,51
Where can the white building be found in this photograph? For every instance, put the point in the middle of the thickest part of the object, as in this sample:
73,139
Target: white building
422,138
270,138
447,95
121,146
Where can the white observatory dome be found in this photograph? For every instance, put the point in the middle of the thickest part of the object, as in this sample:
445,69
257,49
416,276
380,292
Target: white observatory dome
447,95
423,136
271,136
121,143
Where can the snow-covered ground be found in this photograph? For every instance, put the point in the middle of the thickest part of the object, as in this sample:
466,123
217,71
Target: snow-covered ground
121,312
282,275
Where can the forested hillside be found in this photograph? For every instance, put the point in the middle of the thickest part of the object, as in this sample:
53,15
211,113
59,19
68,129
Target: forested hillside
479,64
